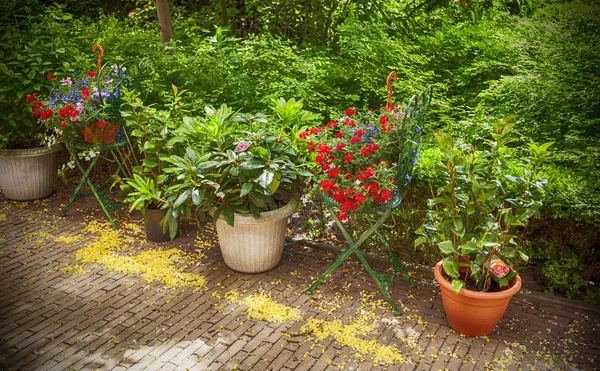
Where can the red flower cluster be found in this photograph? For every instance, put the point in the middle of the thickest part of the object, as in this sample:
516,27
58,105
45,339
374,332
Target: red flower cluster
349,179
68,111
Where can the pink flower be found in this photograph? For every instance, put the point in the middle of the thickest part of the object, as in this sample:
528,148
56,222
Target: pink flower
242,146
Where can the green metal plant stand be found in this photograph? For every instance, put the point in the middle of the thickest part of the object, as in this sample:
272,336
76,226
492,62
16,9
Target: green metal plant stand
112,148
412,126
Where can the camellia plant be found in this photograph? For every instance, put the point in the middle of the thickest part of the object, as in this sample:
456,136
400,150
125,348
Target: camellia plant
473,218
359,157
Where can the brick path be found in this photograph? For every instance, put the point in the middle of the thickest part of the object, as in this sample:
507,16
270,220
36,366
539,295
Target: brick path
53,320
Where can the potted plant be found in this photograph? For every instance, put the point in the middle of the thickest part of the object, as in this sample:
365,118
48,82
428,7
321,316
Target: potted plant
245,171
472,221
33,44
148,186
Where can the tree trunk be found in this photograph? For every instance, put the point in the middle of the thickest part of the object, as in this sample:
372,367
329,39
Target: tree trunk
224,16
164,20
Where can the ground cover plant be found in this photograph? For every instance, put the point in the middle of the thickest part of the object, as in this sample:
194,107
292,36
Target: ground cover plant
536,61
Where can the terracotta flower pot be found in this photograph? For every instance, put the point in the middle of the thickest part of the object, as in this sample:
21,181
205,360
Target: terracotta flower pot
105,135
255,245
474,313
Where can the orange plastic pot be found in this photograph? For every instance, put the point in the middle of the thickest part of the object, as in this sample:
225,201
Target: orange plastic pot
474,313
105,135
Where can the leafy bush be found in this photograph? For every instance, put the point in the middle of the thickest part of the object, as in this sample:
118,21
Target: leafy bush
34,43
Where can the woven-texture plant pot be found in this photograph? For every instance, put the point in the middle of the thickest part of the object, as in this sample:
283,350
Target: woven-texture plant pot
255,245
28,174
474,313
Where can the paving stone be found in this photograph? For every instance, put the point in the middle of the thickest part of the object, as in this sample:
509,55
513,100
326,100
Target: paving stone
102,320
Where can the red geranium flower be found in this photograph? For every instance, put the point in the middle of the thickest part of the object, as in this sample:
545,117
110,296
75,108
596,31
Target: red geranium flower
31,97
311,147
332,124
85,93
50,76
365,152
46,114
360,198
372,147
340,146
388,107
348,158
349,122
323,148
350,112
91,74
333,173
339,135
386,195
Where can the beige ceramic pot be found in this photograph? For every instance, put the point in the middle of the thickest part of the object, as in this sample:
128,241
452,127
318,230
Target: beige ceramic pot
255,245
28,174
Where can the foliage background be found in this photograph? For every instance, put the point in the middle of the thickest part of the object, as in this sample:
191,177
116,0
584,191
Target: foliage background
535,60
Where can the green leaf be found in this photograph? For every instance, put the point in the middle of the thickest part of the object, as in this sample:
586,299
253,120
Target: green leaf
502,282
182,198
229,215
466,248
266,178
419,241
246,188
197,196
457,285
446,247
524,256
450,267
275,183
149,163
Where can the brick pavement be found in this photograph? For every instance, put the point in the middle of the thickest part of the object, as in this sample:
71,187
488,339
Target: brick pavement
56,320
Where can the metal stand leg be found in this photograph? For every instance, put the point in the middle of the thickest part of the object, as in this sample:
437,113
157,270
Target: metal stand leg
383,282
85,179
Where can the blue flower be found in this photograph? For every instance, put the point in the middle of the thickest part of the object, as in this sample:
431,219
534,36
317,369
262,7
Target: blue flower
408,177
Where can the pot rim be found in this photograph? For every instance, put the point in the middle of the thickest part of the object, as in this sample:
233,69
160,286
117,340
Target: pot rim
30,152
513,288
267,216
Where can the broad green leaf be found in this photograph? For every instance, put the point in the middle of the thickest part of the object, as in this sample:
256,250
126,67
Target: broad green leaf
275,183
229,215
450,267
457,285
419,241
524,256
246,188
182,198
446,247
466,248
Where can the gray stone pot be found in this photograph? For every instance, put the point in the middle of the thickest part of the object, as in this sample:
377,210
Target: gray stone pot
255,245
28,174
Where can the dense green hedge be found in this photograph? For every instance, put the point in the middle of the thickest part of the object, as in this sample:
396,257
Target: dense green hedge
536,61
